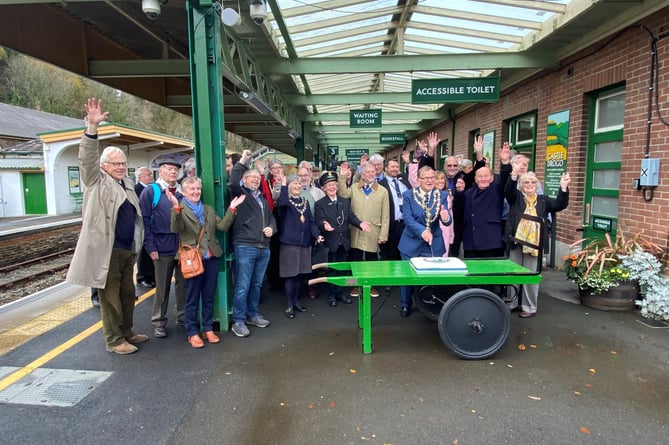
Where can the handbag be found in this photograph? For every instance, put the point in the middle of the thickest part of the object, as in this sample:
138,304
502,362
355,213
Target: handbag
190,260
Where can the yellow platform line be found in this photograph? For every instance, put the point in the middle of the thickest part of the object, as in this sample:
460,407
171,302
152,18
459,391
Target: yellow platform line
45,358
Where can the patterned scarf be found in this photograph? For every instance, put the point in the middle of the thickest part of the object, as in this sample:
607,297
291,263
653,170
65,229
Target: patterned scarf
529,230
198,210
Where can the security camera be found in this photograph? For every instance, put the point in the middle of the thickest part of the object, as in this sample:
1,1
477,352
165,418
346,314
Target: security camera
151,9
258,11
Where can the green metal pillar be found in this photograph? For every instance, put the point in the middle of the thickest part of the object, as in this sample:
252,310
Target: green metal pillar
204,34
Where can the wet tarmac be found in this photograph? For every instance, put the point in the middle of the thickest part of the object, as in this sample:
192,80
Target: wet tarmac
569,375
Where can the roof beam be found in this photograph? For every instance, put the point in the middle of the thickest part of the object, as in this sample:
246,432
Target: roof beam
437,62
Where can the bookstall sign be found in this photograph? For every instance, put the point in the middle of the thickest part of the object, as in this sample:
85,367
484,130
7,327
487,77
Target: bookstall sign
392,138
557,137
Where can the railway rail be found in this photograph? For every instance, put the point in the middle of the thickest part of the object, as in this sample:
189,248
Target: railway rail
21,279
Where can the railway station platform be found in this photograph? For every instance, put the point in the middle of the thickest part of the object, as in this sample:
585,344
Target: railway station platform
569,375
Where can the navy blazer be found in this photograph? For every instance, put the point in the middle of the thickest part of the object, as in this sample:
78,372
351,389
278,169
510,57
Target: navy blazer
411,243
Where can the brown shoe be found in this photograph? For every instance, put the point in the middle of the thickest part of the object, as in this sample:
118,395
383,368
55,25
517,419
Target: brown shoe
211,337
374,292
313,294
354,292
122,349
196,341
136,338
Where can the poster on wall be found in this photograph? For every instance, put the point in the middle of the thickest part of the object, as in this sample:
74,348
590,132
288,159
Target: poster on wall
73,179
489,149
557,137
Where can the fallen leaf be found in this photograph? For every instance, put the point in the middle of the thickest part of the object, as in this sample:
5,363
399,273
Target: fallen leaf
510,366
534,397
456,442
578,393
310,406
592,370
533,346
584,430
589,385
228,372
353,371
332,405
521,347
474,411
614,353
282,404
332,353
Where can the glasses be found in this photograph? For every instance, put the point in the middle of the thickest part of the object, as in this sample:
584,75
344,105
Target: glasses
117,164
303,176
451,165
529,182
427,178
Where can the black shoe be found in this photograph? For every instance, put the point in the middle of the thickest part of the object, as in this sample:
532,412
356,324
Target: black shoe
300,308
290,313
332,302
95,301
344,299
405,311
144,283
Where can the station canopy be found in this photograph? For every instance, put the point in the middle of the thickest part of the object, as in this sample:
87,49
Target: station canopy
310,64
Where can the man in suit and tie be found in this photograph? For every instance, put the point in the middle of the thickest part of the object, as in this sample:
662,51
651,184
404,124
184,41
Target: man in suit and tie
333,215
396,184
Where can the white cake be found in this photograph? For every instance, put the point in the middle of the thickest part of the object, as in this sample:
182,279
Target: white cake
438,264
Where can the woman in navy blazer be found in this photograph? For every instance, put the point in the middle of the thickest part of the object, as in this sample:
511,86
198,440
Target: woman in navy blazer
422,209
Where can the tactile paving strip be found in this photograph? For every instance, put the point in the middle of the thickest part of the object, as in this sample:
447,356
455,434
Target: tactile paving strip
51,387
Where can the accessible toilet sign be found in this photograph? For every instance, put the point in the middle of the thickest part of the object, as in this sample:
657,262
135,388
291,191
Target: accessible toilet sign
365,118
435,91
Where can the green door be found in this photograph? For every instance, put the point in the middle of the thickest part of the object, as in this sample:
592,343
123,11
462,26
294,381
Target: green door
602,180
34,193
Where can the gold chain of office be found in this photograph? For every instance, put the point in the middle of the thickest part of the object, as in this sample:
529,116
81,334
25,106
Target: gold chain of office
423,200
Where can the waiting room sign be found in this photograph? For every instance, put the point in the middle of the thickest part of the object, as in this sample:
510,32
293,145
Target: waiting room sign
436,91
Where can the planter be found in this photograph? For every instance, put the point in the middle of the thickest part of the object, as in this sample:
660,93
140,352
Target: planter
617,299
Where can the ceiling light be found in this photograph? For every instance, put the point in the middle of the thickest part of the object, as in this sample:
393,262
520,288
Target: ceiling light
255,103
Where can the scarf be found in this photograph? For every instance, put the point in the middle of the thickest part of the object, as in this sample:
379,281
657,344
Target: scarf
198,211
529,230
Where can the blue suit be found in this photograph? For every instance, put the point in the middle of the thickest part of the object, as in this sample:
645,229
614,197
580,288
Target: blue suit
412,244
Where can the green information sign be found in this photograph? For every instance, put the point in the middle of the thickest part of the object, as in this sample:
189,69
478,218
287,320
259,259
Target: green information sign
392,138
333,150
604,224
557,135
436,91
365,118
353,155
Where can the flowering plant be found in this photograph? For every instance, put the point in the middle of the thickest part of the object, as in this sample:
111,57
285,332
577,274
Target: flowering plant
598,265
646,269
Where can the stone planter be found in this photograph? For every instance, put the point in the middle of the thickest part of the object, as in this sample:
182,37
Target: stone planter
617,299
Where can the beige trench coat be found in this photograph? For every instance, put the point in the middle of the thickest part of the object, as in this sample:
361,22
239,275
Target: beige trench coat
102,199
375,209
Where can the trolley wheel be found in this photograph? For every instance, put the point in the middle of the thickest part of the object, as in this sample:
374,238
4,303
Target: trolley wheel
430,299
474,324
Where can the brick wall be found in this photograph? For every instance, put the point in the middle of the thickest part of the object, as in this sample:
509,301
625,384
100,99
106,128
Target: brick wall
624,58
29,245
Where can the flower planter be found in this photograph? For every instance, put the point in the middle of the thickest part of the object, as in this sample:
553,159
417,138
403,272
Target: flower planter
617,299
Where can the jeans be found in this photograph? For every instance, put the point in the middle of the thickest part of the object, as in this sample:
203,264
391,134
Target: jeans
200,292
250,265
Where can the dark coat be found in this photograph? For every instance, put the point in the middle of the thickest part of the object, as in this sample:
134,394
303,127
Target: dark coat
544,206
385,182
326,210
293,231
158,236
481,213
251,217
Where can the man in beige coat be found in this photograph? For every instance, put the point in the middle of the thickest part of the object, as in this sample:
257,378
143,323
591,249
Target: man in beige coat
369,202
111,235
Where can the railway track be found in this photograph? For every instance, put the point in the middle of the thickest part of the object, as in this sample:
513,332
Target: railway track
27,277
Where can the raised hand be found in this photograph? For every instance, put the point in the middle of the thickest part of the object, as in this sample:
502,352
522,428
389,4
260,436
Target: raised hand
172,198
564,181
406,156
94,114
478,144
432,140
237,200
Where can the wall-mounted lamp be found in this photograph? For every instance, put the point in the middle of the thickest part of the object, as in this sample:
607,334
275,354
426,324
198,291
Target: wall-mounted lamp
293,134
255,103
230,17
